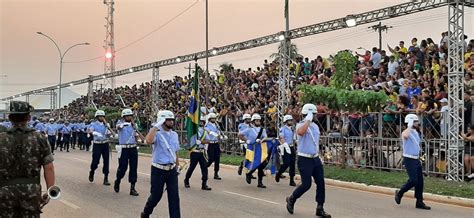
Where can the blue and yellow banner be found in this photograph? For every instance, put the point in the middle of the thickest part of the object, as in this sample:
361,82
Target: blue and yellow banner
257,153
194,113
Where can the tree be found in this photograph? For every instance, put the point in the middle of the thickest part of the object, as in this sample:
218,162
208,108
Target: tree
293,55
226,67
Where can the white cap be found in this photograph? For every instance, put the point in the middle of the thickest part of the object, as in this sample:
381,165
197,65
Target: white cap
127,112
287,117
246,116
309,108
256,117
165,114
410,119
99,113
203,118
211,116
444,100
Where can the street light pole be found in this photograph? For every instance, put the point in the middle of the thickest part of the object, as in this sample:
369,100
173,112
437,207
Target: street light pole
61,58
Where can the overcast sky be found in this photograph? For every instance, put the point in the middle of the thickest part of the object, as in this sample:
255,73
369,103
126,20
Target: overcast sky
29,61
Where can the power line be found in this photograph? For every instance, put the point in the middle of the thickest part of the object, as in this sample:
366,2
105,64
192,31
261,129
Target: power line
143,37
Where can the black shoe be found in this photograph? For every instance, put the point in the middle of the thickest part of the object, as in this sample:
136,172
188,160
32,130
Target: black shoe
321,213
143,215
277,178
290,205
282,177
117,186
422,206
240,170
253,177
186,183
106,181
205,187
67,151
398,198
292,183
91,176
248,178
133,192
261,185
216,177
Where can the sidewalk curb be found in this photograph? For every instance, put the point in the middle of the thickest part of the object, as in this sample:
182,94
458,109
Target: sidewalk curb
458,201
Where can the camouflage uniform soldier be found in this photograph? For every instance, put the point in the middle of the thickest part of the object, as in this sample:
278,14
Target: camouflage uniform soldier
23,152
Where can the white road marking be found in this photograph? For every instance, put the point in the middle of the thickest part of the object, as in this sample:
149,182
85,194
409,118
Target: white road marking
145,174
246,196
69,204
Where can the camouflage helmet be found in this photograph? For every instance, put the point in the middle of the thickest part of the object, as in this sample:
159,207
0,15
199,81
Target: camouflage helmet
20,107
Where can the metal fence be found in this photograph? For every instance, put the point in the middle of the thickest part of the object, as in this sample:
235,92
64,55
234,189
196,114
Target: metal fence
367,141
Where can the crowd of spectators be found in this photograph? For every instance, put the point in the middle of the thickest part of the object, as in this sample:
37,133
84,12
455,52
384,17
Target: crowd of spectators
414,76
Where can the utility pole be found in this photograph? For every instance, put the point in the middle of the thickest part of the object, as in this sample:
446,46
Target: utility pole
379,28
190,68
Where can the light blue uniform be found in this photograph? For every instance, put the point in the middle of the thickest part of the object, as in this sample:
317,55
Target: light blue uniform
99,127
243,126
126,134
40,127
161,154
201,134
211,127
251,134
51,129
411,146
308,144
66,129
287,134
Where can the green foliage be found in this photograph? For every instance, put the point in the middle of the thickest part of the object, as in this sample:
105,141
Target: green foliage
340,96
111,113
226,67
345,64
341,99
293,54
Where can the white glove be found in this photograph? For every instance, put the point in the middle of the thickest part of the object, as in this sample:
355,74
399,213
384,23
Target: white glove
280,150
61,139
249,142
258,140
88,135
160,122
107,124
198,142
98,134
309,117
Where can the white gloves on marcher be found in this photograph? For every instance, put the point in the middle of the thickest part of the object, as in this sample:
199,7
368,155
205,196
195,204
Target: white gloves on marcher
258,140
98,134
309,117
159,124
198,142
249,142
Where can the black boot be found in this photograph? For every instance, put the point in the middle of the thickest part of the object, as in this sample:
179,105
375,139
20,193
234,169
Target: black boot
133,192
239,171
216,176
398,198
248,178
143,215
117,186
290,204
186,183
106,181
205,187
91,176
321,213
422,205
260,184
277,178
292,181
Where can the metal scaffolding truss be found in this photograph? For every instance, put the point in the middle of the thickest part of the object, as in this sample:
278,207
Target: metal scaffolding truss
155,95
283,80
336,24
456,89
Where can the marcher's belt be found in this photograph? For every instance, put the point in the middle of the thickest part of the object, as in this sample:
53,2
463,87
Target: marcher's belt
101,142
128,146
291,145
411,156
167,167
17,181
213,142
199,150
308,155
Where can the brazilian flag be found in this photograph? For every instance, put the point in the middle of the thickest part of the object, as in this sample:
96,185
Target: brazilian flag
194,113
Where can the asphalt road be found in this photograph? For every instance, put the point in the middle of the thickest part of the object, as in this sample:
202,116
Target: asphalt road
230,197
